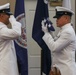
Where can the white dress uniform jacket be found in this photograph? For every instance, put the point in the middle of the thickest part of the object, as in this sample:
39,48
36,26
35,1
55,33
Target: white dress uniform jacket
63,49
8,61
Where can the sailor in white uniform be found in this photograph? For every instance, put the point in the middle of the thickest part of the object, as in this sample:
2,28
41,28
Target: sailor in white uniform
8,60
64,46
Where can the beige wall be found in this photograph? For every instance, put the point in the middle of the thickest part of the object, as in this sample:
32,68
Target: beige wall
12,3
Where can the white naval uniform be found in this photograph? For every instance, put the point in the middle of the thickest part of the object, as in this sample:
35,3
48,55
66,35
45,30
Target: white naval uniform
8,61
63,49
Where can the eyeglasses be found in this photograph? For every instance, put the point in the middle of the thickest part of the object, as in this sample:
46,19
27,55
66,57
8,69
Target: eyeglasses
6,14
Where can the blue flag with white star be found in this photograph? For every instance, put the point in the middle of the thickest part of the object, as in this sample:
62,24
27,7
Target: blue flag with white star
21,42
37,34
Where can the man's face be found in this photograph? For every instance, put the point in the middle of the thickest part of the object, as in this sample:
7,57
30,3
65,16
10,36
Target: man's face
61,21
5,18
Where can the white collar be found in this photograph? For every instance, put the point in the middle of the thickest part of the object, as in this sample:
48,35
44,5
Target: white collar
66,26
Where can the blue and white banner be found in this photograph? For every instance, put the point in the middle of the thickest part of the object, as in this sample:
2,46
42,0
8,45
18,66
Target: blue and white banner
21,42
37,34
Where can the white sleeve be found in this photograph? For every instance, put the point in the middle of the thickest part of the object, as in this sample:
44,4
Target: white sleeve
12,33
59,44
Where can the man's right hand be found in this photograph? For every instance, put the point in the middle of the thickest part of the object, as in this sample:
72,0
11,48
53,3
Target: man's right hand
44,27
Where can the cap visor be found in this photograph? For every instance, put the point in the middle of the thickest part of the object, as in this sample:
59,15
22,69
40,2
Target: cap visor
55,16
